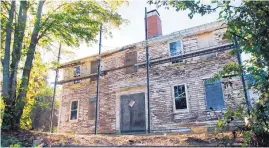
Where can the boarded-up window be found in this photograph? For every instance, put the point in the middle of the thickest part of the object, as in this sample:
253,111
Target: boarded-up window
63,114
205,40
180,97
91,111
76,73
94,69
214,95
130,60
74,110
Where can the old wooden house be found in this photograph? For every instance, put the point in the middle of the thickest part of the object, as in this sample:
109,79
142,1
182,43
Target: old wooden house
180,95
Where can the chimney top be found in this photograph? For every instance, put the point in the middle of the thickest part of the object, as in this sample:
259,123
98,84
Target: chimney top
154,24
154,11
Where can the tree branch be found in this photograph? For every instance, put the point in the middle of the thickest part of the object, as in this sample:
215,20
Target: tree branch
8,8
44,32
213,9
238,36
50,15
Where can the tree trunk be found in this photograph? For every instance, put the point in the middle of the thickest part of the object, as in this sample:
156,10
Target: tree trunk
28,64
17,47
7,119
6,60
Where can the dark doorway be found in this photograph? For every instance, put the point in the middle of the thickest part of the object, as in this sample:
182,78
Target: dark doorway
133,113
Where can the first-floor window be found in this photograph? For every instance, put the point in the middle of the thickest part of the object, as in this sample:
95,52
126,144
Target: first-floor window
180,97
91,112
74,110
213,95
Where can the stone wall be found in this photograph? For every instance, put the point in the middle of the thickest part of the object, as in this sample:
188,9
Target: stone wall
163,77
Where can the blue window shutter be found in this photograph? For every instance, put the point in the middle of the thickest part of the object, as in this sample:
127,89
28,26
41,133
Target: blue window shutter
214,95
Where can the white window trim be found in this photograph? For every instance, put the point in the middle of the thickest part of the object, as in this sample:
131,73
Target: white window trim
76,120
173,99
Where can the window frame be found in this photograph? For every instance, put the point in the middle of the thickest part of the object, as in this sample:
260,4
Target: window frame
92,102
92,69
210,40
173,99
74,76
126,73
74,120
223,95
182,51
172,42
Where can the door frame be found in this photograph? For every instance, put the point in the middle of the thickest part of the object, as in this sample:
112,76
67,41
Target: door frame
118,106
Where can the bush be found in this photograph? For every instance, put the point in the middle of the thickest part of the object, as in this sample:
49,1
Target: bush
254,129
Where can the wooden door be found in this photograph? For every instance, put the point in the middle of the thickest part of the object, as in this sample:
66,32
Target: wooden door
133,113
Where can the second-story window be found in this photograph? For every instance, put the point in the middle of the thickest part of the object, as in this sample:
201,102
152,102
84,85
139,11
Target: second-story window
205,40
130,60
175,48
76,73
94,70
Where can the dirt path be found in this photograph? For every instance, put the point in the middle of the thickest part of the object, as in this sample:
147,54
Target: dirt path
26,139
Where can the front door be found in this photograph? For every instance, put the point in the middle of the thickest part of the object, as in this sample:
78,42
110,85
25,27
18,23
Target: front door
133,113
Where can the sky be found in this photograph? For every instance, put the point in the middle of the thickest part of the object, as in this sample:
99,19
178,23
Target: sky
134,31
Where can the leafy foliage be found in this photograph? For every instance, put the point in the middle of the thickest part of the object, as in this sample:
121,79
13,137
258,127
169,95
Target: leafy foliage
78,21
27,27
37,88
2,108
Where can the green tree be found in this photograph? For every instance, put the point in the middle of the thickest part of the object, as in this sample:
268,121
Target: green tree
28,25
37,88
247,22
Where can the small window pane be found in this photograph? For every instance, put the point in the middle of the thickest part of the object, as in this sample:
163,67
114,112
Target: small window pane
73,115
175,48
74,110
76,71
180,97
74,105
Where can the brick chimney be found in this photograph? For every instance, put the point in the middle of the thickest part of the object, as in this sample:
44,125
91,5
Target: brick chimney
154,24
